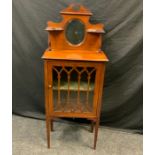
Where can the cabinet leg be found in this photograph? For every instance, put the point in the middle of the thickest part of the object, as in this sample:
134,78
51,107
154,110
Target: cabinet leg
48,128
96,133
92,126
52,125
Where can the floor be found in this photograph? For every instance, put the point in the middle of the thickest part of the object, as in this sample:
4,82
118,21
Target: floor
29,138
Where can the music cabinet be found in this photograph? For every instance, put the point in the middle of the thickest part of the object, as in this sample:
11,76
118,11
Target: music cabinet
74,67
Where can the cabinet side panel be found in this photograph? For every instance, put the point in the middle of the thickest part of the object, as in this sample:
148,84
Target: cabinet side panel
100,88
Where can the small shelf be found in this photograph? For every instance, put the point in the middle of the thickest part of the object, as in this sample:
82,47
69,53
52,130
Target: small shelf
95,31
73,86
54,29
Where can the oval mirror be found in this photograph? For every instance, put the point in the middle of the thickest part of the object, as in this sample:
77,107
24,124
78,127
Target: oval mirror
75,31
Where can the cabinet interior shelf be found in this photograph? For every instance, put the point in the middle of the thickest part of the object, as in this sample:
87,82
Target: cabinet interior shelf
74,86
71,107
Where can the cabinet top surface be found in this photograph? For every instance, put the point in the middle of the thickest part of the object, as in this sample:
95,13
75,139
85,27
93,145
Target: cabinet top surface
79,55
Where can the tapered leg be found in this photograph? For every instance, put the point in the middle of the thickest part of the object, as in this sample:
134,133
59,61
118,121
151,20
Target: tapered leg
48,129
96,133
92,126
52,125
100,76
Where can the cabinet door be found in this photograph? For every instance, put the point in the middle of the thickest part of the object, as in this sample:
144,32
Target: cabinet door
73,88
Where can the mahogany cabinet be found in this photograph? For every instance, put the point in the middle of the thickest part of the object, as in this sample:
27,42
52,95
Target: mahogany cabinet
74,68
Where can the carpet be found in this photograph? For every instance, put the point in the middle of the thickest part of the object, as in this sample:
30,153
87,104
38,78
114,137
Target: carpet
29,138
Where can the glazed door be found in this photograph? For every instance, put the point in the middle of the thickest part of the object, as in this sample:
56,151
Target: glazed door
73,88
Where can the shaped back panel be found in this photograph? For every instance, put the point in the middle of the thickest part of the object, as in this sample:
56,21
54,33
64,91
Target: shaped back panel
75,32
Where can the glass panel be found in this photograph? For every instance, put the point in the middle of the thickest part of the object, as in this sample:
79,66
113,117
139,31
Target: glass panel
75,31
73,89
